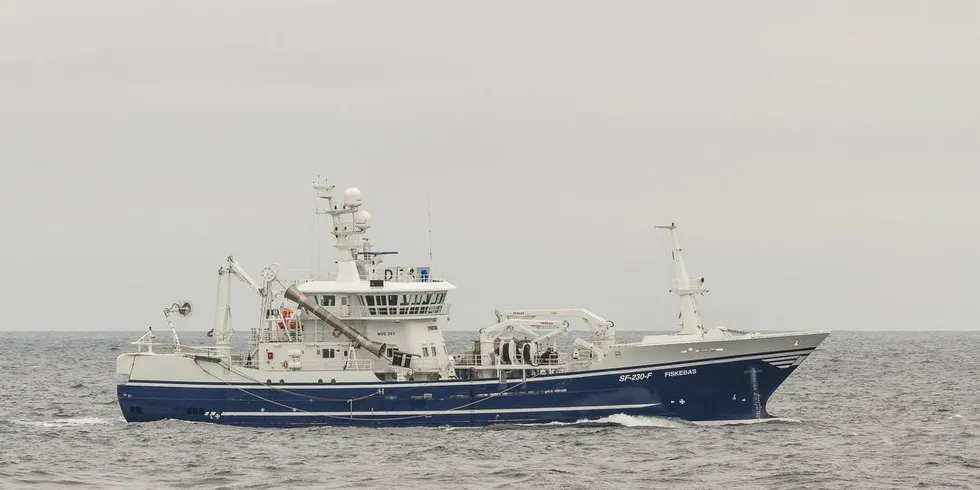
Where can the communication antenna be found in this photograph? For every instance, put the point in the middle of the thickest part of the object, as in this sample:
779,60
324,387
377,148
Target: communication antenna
429,208
315,253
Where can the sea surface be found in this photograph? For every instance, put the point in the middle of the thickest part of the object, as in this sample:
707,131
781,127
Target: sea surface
866,410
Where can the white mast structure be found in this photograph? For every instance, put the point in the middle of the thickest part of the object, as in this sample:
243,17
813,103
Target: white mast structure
690,318
350,268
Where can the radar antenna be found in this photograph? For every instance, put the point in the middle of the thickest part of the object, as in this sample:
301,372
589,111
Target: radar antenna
429,210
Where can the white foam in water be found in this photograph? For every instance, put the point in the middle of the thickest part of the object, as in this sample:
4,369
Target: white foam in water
635,421
72,422
748,421
661,422
617,419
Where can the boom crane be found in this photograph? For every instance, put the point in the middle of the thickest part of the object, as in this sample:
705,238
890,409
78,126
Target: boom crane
222,322
232,267
604,329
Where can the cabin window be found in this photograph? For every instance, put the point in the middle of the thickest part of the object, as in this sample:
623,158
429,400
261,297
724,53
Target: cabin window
425,352
329,353
398,304
343,301
327,300
369,300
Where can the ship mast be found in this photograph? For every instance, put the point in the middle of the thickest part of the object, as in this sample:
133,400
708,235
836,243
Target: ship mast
690,318
349,224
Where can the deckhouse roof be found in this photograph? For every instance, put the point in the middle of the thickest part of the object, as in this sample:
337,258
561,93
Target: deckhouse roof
365,287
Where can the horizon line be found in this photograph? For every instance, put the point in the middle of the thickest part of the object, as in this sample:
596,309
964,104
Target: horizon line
165,332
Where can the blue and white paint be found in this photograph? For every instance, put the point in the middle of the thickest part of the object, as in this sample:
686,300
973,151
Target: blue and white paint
727,390
366,348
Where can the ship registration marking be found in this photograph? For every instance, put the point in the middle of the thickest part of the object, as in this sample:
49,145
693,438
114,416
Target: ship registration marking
648,375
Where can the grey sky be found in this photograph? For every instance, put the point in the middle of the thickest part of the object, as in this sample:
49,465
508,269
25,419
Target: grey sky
820,158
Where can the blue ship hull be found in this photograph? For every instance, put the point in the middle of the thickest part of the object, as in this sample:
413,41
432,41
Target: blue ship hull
720,389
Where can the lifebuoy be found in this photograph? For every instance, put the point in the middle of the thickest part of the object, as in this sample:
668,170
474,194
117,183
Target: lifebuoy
336,333
285,364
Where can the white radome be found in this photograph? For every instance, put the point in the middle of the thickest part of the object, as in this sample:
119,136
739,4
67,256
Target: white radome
362,219
352,196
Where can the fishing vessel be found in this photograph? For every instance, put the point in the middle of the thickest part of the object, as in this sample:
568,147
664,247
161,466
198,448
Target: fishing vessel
364,346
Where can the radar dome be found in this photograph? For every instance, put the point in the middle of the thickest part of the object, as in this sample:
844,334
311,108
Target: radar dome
352,196
362,219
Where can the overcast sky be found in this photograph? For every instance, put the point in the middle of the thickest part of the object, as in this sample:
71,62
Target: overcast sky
821,159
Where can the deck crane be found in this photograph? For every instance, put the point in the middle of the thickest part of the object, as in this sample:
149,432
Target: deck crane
222,323
604,329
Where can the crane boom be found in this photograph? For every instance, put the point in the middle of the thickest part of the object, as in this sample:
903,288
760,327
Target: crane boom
604,329
233,267
222,321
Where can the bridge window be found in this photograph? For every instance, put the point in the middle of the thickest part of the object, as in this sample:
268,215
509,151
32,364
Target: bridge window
327,300
369,300
402,304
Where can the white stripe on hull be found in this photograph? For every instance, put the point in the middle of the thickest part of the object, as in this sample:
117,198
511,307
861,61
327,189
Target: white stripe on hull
436,412
784,362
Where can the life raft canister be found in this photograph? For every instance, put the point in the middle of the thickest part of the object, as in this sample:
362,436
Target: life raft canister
287,319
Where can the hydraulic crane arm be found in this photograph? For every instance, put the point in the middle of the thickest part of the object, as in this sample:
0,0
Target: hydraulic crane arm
232,267
604,329
222,323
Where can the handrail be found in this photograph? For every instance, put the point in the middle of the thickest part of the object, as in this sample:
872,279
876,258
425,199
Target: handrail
317,365
468,360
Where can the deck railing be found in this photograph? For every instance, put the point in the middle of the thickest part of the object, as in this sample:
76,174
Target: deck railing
317,365
563,359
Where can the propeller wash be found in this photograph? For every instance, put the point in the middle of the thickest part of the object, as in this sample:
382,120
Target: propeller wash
365,347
